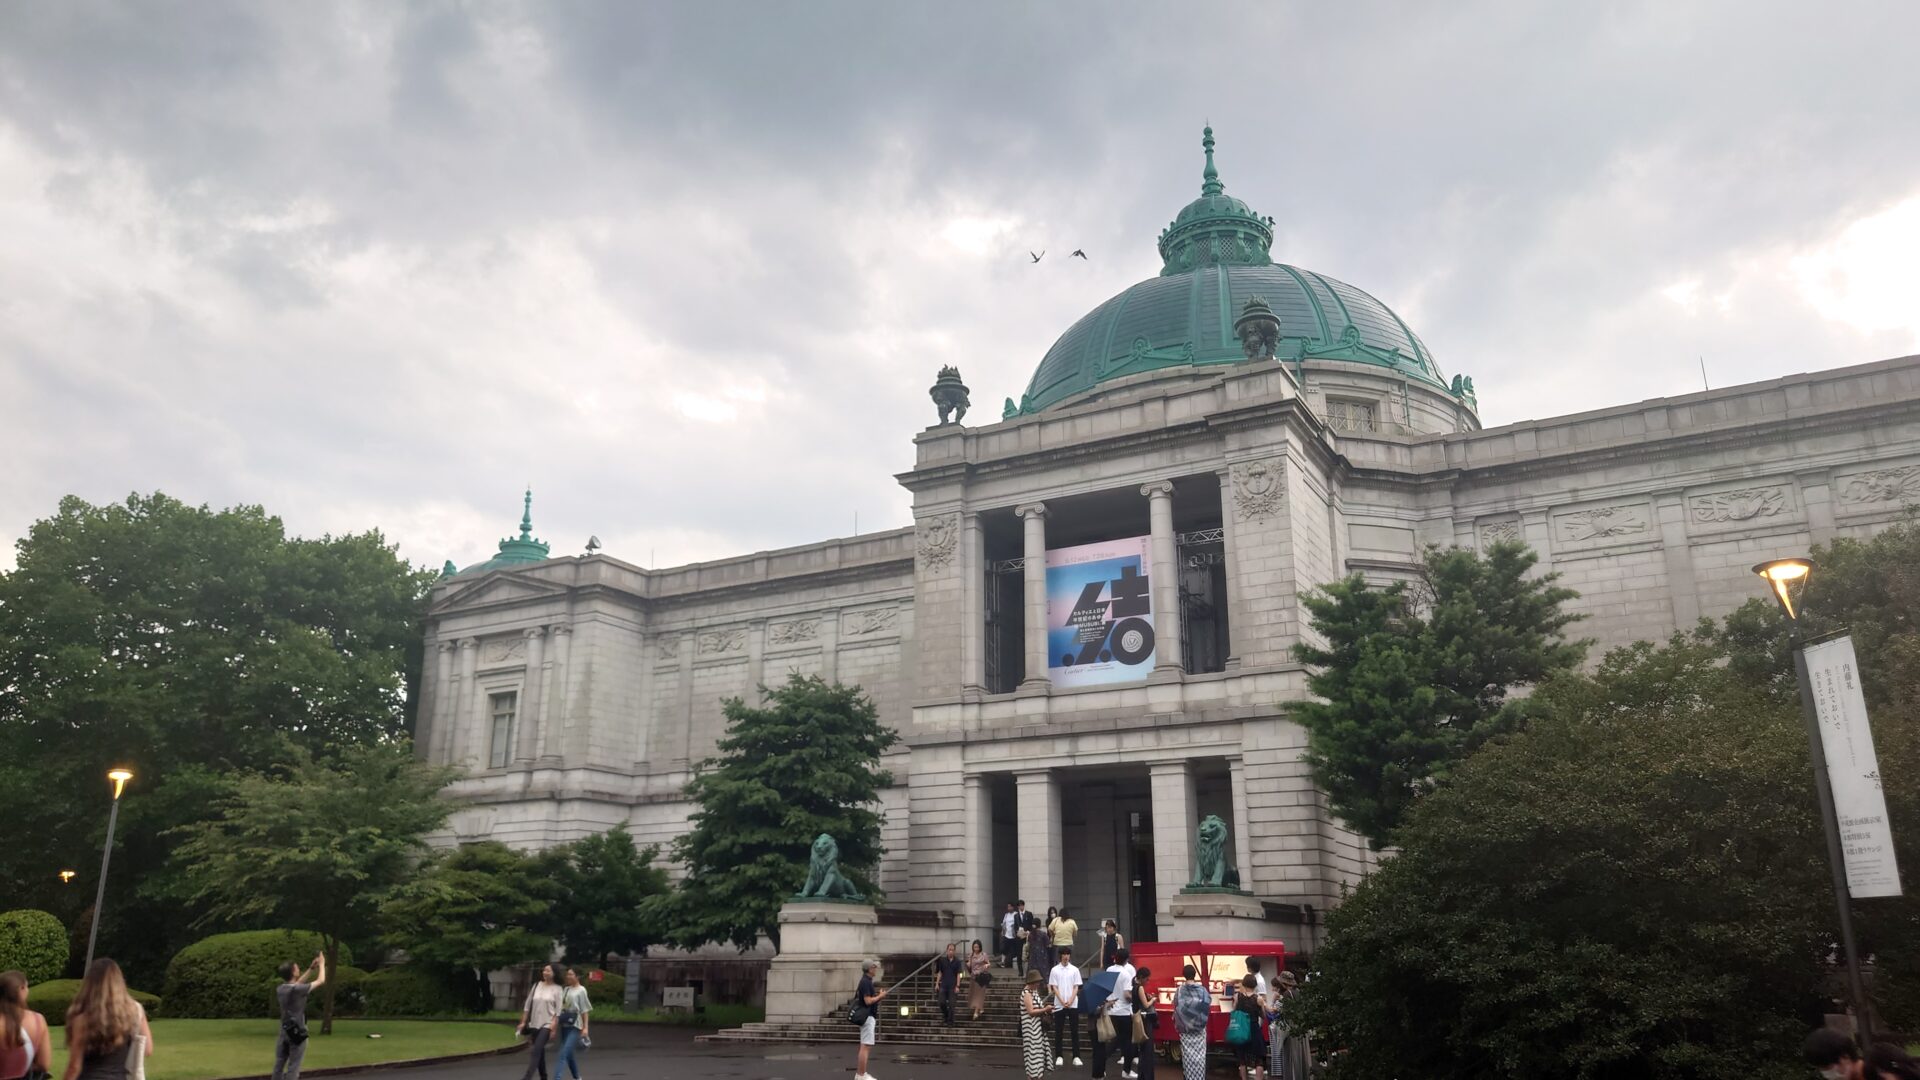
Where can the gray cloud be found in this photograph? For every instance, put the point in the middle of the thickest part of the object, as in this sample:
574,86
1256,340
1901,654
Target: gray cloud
688,269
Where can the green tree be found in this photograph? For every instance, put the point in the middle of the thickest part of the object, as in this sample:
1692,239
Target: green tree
805,762
317,844
1633,886
187,643
1413,676
473,909
604,886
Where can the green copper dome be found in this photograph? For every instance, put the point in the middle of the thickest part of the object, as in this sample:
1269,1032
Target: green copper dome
1215,258
516,551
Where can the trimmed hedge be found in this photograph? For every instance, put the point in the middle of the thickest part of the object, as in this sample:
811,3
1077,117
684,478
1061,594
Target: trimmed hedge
52,998
34,944
412,991
609,993
233,975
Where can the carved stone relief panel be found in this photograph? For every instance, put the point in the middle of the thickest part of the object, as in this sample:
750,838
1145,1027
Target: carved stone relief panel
503,650
939,538
1878,489
871,621
719,642
1500,531
794,633
1259,488
667,646
1603,526
1753,505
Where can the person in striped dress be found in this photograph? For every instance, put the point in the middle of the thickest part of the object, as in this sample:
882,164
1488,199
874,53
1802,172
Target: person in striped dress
1033,1033
1192,1006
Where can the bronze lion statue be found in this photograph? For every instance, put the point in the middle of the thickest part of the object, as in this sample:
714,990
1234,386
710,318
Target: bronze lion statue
1210,854
824,879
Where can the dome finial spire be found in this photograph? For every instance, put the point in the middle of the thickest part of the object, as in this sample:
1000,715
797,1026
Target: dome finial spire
526,515
1210,179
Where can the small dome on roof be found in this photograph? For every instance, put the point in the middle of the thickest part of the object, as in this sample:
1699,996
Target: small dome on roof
514,551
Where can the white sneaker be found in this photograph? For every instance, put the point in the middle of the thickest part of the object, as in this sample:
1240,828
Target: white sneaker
1076,1063
1057,1062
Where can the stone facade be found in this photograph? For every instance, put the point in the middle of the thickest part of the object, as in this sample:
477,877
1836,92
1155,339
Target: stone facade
578,690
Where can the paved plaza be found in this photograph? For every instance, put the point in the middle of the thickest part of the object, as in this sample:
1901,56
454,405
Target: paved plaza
633,1051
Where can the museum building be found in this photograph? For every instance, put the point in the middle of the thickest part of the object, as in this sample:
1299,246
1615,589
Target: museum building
1084,638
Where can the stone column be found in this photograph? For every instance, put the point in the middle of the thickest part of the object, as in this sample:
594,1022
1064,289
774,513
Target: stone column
554,729
1175,817
642,732
979,916
1037,821
468,735
756,658
1237,624
533,699
973,619
1242,823
1676,551
1033,517
445,695
1166,579
830,646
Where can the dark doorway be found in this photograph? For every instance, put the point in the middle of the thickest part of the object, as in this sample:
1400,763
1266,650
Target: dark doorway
1146,926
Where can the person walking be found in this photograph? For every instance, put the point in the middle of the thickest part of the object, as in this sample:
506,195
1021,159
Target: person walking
1064,982
1251,1052
1062,930
1120,1010
575,1004
1033,1033
539,1018
1022,930
870,995
25,1044
1192,1008
105,1027
292,994
979,977
946,973
1007,921
1289,1050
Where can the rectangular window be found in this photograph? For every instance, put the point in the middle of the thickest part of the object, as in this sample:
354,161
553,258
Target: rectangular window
501,750
1347,415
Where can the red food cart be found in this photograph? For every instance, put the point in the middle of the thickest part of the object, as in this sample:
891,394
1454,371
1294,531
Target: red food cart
1218,964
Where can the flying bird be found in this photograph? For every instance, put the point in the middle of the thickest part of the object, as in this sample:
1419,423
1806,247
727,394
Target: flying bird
1037,258
1078,254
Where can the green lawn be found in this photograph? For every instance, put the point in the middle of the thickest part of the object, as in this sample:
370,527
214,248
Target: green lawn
203,1049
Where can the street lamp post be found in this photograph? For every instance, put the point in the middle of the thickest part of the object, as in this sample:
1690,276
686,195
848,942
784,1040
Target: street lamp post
1787,578
119,778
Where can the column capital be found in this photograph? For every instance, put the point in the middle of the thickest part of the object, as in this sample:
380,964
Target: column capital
446,646
1031,510
1033,774
532,633
1159,489
560,628
467,643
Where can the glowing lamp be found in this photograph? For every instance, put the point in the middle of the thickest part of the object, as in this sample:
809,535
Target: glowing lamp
119,778
1788,580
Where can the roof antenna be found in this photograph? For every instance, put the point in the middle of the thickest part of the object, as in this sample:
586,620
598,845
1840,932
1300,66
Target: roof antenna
1703,374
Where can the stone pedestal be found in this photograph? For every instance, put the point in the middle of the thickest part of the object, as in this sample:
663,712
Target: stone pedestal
822,945
1220,915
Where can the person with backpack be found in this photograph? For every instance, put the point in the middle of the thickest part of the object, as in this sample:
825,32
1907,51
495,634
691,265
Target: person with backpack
292,994
1243,1029
1192,1008
575,1004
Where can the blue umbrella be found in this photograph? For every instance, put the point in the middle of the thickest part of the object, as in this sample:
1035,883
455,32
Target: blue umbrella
1097,989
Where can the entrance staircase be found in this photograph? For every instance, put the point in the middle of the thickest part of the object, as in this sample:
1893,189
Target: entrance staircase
997,1028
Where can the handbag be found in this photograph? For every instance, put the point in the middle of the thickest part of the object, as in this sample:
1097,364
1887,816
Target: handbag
294,1030
1239,1029
569,1019
1139,1028
136,1065
1103,1027
858,1012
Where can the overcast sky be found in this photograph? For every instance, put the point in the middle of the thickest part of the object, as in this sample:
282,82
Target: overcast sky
688,269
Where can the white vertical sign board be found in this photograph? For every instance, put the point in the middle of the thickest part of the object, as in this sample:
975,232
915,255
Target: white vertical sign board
1866,836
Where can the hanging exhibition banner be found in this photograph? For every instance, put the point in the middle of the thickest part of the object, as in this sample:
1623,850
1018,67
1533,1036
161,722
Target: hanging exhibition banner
1099,613
1866,837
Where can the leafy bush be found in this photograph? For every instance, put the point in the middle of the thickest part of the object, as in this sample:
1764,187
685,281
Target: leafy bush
608,993
412,991
52,998
233,975
349,991
33,943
